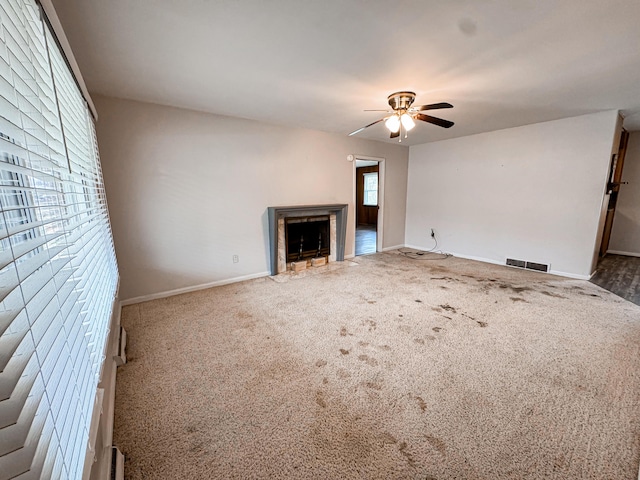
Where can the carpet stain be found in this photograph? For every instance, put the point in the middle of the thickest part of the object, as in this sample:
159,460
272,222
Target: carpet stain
404,328
448,308
518,289
374,386
482,324
448,318
386,348
438,444
343,331
436,329
363,344
443,287
321,363
325,380
436,309
421,403
550,294
400,315
518,299
343,374
588,294
419,340
430,337
403,450
419,301
387,439
368,360
344,352
320,399
371,301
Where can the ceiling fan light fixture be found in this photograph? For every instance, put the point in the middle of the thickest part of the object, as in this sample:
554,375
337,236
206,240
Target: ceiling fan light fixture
407,121
393,123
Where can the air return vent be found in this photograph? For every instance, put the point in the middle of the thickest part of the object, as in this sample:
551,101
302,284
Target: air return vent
516,263
117,464
539,267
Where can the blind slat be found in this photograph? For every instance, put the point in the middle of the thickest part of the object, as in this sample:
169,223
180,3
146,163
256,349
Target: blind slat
57,265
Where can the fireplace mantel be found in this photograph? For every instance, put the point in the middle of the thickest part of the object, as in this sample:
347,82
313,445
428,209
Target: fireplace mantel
276,213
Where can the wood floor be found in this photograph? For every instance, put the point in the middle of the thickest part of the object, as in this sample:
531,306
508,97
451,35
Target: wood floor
365,239
621,275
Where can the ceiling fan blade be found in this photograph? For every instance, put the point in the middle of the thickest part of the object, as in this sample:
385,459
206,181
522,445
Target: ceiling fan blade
434,120
395,134
366,126
433,106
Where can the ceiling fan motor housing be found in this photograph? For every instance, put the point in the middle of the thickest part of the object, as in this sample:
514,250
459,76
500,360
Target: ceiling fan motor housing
401,100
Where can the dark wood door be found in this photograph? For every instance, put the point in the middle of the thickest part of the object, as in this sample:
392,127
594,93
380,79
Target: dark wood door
613,189
365,214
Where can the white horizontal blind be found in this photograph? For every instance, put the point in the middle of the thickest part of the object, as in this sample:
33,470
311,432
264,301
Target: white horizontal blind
58,274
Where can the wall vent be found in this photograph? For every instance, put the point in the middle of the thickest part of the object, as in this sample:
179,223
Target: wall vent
121,357
539,267
117,464
516,263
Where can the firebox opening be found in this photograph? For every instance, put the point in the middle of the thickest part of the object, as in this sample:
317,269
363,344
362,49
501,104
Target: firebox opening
307,237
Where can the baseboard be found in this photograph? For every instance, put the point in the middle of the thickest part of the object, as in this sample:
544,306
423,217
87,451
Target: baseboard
179,291
626,254
571,275
347,257
395,247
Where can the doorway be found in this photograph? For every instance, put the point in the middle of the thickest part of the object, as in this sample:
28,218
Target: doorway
613,190
367,205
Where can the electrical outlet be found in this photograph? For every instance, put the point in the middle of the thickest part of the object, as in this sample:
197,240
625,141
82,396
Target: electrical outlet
433,233
236,259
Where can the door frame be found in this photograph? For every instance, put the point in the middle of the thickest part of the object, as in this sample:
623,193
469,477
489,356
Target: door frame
381,182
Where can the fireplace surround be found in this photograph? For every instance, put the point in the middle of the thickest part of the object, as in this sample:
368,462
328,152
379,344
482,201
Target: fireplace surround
279,216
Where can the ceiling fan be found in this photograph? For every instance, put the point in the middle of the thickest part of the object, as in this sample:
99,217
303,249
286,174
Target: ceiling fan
403,115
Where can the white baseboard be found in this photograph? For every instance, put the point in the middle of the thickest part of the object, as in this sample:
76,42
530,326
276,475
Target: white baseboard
571,275
347,257
194,288
626,254
395,247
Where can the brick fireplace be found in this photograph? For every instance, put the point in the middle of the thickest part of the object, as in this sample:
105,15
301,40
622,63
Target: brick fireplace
302,232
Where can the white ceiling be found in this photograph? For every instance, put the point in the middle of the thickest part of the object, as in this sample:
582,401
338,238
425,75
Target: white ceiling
319,64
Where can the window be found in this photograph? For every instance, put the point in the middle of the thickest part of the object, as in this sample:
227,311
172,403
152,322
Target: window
370,198
58,275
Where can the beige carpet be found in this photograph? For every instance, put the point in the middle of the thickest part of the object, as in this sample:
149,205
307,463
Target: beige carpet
391,368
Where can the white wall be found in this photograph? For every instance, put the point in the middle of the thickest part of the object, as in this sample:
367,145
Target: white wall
188,190
625,236
532,193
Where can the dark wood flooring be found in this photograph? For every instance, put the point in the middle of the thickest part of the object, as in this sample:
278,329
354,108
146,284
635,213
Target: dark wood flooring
621,275
365,239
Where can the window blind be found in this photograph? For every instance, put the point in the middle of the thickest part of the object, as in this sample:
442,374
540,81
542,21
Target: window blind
58,274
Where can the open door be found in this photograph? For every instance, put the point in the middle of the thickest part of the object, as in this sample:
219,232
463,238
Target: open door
613,189
367,206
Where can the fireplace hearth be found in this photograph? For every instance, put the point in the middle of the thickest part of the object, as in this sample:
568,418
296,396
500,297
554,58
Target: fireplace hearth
305,232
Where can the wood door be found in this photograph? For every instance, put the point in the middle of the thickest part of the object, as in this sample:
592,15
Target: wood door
613,189
365,215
